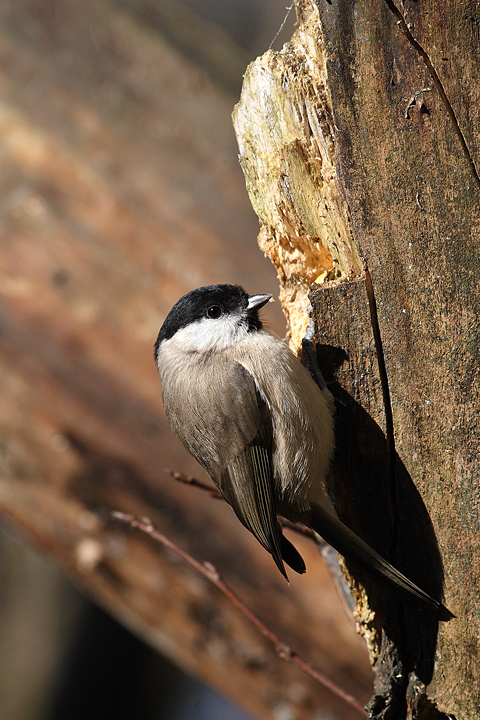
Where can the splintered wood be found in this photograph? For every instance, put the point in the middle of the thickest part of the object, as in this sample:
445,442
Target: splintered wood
286,137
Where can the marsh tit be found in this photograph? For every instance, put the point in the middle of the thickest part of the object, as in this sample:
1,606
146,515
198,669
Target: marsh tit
253,416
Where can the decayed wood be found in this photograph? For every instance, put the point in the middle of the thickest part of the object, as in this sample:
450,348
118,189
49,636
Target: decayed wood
360,144
119,187
373,489
285,134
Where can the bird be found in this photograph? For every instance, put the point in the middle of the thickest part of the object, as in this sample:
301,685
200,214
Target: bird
257,421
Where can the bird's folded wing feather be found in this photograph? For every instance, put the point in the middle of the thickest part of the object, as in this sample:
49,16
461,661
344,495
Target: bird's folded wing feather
247,481
230,434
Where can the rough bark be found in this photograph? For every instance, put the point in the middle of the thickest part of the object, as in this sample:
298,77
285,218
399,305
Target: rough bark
120,191
360,147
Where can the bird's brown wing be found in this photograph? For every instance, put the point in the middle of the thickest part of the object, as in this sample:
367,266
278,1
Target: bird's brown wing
247,481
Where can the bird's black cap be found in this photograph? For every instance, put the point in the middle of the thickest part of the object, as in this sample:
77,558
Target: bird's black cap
196,304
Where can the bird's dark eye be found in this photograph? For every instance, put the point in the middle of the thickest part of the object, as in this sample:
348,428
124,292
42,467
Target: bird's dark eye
214,311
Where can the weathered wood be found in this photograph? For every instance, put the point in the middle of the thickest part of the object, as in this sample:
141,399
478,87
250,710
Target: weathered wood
376,497
379,116
120,191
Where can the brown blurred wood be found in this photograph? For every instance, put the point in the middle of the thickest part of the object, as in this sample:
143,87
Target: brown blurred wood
120,191
360,146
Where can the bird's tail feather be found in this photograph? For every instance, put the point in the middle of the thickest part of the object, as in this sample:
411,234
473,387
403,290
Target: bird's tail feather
349,544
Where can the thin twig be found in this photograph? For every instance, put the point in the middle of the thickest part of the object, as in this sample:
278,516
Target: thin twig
213,492
302,530
208,571
189,480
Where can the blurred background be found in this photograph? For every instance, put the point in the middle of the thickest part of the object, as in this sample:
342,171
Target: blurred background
120,190
109,113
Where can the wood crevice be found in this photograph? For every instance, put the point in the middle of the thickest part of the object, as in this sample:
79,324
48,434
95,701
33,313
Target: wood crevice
387,403
439,85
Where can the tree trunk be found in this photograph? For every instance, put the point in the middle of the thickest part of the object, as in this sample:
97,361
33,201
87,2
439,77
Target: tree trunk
360,144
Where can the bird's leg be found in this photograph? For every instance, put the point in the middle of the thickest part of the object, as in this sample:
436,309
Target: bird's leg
308,349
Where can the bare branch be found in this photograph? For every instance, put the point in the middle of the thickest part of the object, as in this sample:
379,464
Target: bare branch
213,492
189,480
208,571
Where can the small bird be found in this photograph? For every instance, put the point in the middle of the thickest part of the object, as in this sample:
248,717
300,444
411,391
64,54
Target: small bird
253,416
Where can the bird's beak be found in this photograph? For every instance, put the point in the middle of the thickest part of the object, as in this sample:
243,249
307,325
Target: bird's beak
258,301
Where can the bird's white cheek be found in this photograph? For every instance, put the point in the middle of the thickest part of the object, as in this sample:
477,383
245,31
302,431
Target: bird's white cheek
207,335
